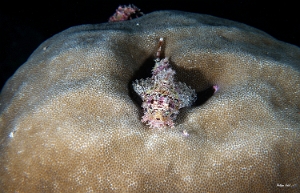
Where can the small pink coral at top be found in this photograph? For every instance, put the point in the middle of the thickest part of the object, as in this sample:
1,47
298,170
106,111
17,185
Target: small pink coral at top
125,13
162,96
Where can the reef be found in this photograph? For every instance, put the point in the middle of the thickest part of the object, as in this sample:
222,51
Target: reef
70,120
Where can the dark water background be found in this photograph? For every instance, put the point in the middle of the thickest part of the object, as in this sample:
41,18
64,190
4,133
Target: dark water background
24,25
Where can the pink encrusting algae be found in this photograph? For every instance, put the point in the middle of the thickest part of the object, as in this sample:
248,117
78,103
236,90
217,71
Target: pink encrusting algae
162,96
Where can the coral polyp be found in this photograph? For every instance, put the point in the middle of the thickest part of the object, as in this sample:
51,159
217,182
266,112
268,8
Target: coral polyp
162,96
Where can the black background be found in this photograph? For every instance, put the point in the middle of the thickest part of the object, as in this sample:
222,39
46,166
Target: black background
24,25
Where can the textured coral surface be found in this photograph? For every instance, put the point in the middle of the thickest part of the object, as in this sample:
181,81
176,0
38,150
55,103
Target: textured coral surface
70,123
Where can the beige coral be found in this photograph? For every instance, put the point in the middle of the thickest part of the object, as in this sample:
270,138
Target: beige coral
69,122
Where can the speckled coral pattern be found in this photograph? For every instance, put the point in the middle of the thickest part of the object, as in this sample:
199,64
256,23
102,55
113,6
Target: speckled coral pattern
69,123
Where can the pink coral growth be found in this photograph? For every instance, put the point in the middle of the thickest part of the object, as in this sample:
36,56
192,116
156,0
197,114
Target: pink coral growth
125,13
162,96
